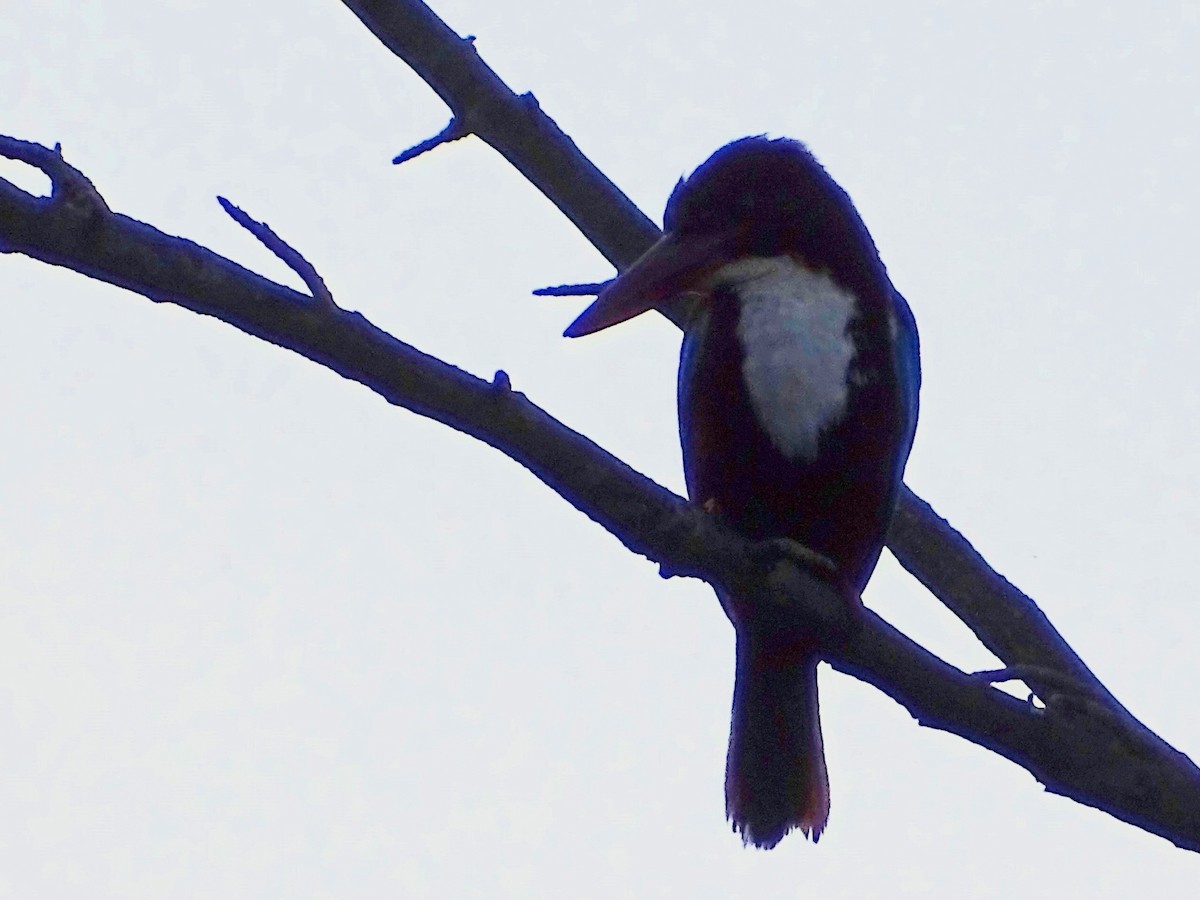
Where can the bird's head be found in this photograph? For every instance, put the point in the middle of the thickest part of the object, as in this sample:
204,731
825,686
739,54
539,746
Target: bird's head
755,197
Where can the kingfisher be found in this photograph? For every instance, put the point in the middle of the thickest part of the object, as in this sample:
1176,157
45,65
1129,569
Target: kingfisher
797,391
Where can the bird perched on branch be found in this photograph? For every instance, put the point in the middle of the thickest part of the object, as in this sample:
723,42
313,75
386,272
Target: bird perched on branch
797,405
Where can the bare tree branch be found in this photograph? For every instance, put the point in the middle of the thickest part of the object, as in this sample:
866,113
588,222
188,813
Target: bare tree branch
1094,758
1004,619
1081,744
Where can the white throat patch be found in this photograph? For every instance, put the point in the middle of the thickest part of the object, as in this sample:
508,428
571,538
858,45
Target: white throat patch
796,352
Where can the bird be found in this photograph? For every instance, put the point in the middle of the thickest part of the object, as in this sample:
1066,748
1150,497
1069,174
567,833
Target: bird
798,396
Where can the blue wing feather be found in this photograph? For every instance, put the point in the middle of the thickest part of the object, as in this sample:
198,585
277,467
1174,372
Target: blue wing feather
908,377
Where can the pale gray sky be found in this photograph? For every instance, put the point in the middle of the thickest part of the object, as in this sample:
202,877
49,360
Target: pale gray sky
262,635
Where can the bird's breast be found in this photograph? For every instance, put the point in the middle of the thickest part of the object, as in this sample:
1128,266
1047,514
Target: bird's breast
796,349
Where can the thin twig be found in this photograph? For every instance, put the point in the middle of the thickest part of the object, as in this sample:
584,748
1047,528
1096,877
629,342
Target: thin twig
571,290
456,130
290,256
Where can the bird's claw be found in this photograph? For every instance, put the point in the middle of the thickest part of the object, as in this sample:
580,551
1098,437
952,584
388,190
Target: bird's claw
805,557
835,612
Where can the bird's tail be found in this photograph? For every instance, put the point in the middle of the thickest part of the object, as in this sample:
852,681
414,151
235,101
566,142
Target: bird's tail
775,778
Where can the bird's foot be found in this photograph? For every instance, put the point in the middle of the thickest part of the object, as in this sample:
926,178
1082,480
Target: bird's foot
770,551
808,559
833,614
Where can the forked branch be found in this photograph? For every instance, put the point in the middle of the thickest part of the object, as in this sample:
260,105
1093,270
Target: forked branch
1080,744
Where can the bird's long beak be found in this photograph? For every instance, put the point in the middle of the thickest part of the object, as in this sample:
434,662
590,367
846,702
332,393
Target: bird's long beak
674,265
